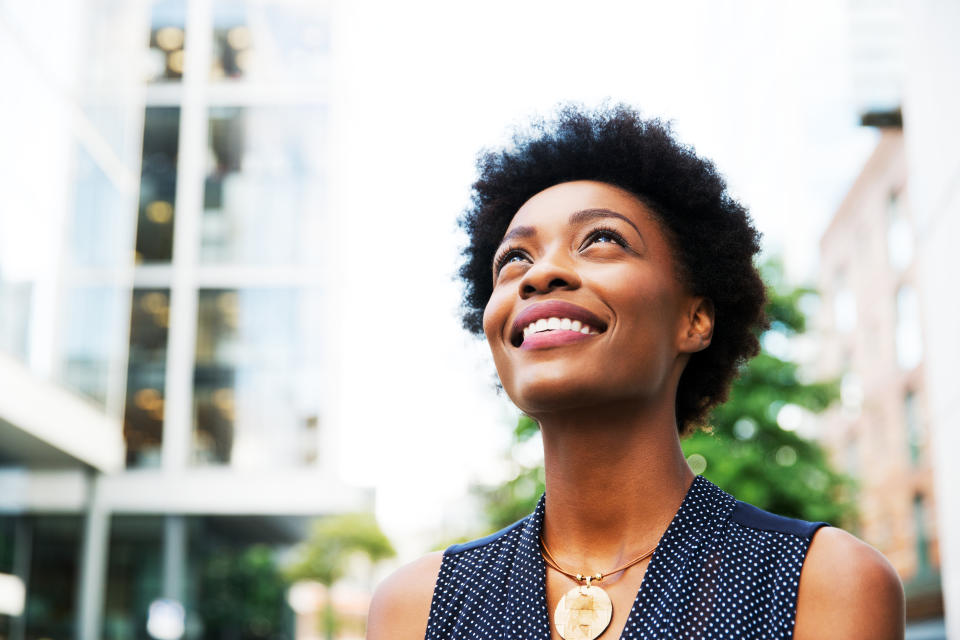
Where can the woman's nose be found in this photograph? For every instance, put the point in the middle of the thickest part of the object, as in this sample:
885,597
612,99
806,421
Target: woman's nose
548,273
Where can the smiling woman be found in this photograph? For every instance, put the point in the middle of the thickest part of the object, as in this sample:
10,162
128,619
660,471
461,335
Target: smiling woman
612,276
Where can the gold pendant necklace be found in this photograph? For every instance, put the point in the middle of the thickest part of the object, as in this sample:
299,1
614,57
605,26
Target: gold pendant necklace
584,612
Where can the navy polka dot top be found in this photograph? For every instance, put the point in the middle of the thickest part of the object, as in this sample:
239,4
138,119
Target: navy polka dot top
723,569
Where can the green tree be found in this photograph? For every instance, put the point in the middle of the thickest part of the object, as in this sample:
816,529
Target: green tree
324,556
745,451
751,449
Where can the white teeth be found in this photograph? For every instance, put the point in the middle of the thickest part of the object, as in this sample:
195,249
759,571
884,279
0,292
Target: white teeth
563,324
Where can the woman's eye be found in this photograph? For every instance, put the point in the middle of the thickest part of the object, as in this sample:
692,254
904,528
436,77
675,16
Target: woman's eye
604,236
508,257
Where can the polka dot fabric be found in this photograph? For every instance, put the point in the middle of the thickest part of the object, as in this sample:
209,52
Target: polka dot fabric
723,569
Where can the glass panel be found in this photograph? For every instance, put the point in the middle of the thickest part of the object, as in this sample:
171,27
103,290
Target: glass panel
15,317
54,565
105,79
257,378
922,539
158,184
909,341
101,229
263,193
165,57
899,234
915,431
134,575
276,42
93,323
146,375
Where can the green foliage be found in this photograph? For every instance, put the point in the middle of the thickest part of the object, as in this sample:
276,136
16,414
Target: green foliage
517,497
324,556
745,451
242,595
748,453
326,553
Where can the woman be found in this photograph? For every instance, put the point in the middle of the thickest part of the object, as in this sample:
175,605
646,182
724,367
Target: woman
612,275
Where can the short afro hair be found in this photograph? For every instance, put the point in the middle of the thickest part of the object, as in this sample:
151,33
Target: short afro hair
711,234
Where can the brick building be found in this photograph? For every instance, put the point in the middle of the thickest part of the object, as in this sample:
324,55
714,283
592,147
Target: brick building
872,341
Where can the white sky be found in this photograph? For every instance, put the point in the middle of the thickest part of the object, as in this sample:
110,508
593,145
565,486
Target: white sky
762,88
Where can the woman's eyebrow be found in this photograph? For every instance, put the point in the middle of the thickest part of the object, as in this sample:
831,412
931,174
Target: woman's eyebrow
586,215
519,232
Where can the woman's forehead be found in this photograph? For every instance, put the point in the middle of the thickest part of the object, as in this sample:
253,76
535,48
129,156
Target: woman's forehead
556,204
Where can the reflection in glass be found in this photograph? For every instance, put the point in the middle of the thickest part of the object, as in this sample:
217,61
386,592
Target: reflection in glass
909,340
93,320
101,227
234,572
256,382
146,375
270,42
134,575
15,303
263,192
158,184
54,565
165,57
899,234
915,431
922,537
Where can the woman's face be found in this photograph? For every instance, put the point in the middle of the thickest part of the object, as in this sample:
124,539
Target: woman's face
587,308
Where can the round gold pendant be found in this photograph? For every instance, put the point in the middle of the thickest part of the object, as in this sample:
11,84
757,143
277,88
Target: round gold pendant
583,613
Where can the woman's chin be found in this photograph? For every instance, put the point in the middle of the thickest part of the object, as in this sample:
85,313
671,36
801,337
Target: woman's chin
544,396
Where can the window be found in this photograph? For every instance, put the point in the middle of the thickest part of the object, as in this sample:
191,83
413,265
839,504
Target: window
158,184
909,341
263,191
899,234
167,37
922,536
146,376
281,42
914,426
257,377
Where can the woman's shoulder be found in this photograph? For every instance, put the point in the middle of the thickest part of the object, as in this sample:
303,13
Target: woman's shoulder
401,604
848,589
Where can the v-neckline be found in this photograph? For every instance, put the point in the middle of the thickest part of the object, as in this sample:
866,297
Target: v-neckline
668,565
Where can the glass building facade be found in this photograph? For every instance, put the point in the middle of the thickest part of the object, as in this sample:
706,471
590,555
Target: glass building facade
175,283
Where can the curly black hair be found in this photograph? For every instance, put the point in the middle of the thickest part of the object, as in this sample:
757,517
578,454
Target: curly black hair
711,234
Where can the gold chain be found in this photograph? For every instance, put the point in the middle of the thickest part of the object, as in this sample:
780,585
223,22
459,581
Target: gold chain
549,559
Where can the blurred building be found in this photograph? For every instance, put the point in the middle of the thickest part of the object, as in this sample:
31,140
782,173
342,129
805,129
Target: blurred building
889,261
872,341
167,347
932,135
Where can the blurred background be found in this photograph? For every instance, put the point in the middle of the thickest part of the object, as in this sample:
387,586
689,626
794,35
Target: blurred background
234,392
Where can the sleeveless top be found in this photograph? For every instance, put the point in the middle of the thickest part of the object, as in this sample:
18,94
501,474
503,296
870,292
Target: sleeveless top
722,569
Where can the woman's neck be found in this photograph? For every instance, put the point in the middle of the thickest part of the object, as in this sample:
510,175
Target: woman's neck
614,481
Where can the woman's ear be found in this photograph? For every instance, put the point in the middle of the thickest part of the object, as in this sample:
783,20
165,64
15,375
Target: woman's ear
698,325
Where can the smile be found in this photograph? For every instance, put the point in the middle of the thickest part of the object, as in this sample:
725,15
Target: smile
553,323
558,324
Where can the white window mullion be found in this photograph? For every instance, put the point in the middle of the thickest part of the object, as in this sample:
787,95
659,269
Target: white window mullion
181,345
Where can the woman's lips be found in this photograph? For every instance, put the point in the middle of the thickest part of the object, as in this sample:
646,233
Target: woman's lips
552,323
